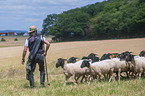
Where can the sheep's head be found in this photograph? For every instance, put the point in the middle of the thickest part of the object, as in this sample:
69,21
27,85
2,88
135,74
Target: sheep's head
142,53
72,60
60,62
106,56
95,59
85,63
114,55
91,56
129,58
123,56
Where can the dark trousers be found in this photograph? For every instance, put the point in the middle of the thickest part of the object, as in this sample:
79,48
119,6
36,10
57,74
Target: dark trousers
40,60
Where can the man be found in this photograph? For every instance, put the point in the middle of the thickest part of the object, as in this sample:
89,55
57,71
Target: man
35,44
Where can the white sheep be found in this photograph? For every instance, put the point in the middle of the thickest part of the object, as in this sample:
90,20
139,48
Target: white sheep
72,69
138,63
100,68
120,66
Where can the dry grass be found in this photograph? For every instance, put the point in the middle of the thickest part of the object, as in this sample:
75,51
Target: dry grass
11,56
21,39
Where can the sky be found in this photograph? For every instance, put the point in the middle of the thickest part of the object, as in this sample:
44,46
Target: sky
21,14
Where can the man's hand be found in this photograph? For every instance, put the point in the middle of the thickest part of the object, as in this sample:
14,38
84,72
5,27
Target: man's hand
23,61
23,55
45,53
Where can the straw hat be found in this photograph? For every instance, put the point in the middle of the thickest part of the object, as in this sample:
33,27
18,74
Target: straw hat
32,29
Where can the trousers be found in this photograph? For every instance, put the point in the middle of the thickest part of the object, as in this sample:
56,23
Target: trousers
39,58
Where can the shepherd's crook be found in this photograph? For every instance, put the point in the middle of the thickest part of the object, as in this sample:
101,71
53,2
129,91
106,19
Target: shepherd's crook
46,70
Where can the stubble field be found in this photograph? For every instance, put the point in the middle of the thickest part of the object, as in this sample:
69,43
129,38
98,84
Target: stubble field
12,72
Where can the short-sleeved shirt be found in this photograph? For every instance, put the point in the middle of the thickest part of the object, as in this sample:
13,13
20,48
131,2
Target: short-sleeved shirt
26,42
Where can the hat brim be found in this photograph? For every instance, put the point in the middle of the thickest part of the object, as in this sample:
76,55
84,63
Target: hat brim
32,31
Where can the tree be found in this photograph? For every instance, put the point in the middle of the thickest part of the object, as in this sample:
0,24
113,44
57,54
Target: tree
49,22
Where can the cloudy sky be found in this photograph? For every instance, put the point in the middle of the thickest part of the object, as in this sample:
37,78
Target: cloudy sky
20,14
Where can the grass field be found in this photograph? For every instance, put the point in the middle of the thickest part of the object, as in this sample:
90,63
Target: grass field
12,72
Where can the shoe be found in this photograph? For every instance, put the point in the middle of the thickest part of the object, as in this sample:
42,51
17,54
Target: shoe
31,86
42,85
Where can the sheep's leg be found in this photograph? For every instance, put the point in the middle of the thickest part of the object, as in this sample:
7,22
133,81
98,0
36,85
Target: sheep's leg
66,78
88,78
134,75
141,71
73,79
108,76
111,73
119,74
77,79
116,75
128,76
94,77
105,77
100,76
82,79
111,77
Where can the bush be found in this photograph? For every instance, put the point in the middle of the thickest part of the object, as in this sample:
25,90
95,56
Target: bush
2,39
15,39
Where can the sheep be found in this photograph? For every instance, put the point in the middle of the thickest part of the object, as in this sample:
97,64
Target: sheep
99,68
90,56
120,66
137,63
71,69
73,60
123,57
93,58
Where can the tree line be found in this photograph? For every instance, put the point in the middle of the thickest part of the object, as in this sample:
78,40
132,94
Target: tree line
111,19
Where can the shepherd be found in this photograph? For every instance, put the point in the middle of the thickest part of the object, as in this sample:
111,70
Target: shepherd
35,43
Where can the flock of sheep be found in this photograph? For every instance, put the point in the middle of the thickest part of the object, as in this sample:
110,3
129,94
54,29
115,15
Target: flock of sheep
93,67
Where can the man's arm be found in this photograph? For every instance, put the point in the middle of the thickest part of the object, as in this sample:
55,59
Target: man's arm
47,47
24,54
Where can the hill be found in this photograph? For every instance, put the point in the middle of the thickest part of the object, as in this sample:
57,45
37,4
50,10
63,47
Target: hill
17,31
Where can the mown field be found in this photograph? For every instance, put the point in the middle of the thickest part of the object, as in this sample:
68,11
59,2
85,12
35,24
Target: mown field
12,72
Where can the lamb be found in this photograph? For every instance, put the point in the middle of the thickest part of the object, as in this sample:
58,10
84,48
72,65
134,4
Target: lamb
99,68
137,63
72,69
